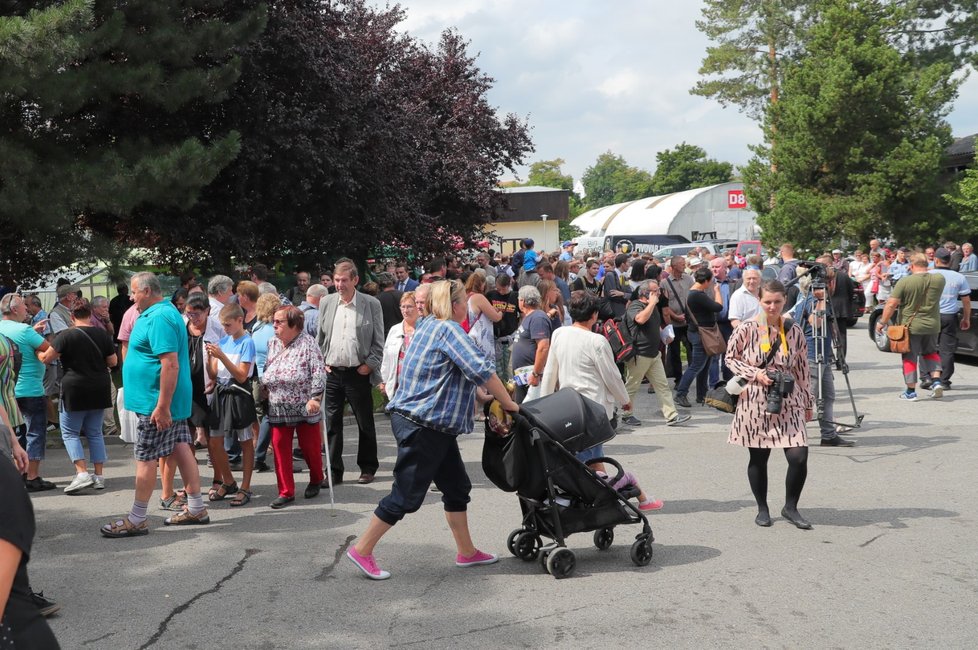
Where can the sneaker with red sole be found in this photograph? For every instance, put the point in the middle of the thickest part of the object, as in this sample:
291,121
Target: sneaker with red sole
367,564
651,505
475,560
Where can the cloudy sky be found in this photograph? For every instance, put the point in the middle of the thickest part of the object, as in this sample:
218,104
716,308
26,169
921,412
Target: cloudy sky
596,76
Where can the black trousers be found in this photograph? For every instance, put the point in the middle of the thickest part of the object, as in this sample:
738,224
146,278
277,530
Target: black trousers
843,325
946,345
674,359
347,385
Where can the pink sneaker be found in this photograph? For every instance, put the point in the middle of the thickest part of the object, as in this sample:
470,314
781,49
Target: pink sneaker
367,564
651,505
478,558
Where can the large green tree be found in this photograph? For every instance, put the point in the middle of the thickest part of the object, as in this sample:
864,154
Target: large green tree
687,167
98,131
963,198
859,133
611,180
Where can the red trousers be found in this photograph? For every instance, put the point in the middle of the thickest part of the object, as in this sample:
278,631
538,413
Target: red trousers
310,442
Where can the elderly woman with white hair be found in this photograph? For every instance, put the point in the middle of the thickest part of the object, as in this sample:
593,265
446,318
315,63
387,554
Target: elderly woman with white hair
529,356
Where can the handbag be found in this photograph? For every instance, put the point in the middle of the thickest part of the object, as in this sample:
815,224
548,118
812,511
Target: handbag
713,343
721,399
899,335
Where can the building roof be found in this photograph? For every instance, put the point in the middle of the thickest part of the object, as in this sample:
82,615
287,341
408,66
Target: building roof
525,189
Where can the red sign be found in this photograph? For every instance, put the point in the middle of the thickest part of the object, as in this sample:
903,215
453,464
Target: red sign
736,199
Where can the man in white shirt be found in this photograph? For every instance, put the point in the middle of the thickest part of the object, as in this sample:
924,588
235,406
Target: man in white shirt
744,302
351,336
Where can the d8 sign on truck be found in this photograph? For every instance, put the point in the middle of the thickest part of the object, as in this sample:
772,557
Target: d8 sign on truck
736,199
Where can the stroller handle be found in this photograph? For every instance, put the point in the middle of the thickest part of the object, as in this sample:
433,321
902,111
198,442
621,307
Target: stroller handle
614,463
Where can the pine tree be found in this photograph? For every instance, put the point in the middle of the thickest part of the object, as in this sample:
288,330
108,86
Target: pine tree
121,113
860,135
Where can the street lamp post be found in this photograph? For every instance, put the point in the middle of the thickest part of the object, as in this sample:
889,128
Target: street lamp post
543,244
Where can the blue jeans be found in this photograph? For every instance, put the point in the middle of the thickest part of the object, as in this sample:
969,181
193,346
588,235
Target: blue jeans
697,369
264,439
32,435
74,424
424,455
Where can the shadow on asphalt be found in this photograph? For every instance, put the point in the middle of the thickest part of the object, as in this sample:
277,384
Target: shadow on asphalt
688,506
894,518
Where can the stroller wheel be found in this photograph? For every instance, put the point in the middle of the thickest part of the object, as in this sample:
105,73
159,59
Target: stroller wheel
561,563
527,545
511,540
642,552
603,538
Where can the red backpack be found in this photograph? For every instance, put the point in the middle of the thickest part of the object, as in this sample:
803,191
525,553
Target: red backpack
620,339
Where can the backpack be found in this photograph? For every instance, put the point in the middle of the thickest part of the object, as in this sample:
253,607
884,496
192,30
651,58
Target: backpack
16,355
620,339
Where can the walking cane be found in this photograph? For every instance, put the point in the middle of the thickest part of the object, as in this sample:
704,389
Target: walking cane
329,470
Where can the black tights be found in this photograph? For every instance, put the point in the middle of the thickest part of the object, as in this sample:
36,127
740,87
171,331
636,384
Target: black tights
794,480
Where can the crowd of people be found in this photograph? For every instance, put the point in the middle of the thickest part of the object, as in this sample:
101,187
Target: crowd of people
238,369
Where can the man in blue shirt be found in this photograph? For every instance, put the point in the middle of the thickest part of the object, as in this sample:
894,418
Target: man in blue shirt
956,288
158,389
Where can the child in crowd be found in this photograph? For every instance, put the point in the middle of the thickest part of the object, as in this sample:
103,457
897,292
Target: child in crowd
233,409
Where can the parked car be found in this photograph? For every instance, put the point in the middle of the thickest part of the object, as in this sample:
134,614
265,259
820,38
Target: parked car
714,246
967,339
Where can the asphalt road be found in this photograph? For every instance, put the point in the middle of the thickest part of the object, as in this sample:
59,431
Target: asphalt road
891,561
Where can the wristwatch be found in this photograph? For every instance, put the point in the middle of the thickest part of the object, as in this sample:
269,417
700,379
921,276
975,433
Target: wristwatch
536,374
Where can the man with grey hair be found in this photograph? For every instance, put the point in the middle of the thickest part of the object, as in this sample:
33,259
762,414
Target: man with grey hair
675,290
745,302
297,293
644,322
532,346
310,307
159,391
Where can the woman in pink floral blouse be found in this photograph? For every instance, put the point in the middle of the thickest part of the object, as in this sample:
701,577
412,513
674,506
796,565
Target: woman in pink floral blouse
295,376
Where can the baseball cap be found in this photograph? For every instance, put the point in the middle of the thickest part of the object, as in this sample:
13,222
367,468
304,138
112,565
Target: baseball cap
528,242
568,243
943,254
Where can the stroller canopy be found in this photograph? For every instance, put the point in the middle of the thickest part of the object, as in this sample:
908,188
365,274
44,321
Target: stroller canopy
574,421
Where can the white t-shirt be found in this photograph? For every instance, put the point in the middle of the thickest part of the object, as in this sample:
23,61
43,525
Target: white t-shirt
743,305
583,361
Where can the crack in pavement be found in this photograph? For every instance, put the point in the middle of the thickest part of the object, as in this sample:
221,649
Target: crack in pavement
104,636
867,543
179,609
324,574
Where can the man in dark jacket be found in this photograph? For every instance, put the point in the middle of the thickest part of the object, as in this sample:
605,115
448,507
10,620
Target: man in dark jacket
614,289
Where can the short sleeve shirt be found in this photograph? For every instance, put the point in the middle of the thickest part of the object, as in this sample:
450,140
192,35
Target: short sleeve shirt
535,327
30,381
955,287
83,351
920,294
128,320
158,330
240,350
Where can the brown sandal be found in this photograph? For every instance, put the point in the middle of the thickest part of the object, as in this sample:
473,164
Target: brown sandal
222,492
242,498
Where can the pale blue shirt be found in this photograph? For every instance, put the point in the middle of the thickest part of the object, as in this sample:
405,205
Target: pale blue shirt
955,287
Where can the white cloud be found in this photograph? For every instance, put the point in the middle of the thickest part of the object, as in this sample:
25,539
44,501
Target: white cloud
598,76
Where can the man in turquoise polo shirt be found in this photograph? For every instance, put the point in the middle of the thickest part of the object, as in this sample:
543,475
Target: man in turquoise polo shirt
156,376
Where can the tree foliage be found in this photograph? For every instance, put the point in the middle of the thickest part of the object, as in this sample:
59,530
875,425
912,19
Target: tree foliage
756,40
353,135
611,180
94,106
687,167
963,197
854,146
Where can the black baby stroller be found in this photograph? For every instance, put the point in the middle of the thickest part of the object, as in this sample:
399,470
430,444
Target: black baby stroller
558,494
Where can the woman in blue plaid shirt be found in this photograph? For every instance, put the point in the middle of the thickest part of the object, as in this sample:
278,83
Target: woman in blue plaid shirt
434,403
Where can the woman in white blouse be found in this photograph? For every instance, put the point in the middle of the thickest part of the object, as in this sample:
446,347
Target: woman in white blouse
396,344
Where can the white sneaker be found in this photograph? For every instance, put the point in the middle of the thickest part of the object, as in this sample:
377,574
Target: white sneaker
99,482
80,482
679,419
937,390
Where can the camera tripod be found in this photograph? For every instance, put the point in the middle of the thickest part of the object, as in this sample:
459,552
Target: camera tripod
824,325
